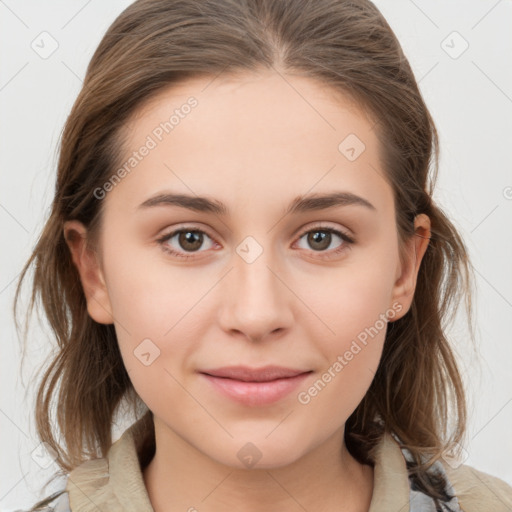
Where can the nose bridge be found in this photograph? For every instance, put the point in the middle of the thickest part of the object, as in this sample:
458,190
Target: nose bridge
257,301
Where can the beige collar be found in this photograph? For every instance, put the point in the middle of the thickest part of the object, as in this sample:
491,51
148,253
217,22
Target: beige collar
115,483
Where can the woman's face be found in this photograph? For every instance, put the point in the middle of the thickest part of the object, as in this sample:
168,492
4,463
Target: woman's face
259,279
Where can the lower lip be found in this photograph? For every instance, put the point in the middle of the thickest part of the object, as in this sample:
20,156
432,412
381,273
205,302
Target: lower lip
256,393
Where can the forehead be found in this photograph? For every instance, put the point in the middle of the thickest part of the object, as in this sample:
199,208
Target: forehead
261,98
254,135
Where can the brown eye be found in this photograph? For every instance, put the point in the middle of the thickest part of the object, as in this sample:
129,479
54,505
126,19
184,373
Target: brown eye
190,240
182,241
319,240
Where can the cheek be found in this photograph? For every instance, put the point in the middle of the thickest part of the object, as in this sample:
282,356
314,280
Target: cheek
149,297
351,354
155,310
352,300
355,306
363,303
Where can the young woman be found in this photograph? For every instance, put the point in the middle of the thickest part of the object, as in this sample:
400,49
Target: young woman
244,247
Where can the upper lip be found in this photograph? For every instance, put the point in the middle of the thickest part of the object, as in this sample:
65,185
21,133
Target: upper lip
248,374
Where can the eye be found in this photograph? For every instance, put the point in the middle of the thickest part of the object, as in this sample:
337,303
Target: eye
188,239
321,238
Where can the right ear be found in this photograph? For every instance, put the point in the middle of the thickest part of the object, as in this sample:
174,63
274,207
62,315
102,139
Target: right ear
91,274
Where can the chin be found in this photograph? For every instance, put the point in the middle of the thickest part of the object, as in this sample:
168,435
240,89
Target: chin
258,454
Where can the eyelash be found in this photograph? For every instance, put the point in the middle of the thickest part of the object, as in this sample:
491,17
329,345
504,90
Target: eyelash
348,241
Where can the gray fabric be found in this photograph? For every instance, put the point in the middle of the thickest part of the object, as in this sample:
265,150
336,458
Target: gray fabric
421,502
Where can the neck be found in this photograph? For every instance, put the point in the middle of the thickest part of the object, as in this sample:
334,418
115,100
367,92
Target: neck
327,478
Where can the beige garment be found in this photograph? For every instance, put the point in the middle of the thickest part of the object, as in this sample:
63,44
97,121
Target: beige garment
115,483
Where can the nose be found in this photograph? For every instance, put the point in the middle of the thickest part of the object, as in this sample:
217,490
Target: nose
256,301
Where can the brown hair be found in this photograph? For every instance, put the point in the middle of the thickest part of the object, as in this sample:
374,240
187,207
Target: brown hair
346,45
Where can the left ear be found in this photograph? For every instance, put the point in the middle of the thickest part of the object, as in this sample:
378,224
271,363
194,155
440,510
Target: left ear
407,270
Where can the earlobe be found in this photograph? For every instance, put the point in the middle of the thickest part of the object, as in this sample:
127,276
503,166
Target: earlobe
90,272
407,271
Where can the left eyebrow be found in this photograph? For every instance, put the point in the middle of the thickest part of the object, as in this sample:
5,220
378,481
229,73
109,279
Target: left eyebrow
301,204
312,202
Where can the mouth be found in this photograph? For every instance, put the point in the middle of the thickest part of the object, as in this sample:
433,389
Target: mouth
255,386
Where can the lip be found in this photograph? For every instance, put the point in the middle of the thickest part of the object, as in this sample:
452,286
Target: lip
255,386
248,374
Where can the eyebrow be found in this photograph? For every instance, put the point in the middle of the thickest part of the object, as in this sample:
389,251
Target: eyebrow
301,204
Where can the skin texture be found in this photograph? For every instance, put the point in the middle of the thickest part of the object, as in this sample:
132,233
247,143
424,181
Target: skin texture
255,142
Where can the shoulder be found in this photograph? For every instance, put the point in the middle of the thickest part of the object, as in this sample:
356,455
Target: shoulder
466,489
478,491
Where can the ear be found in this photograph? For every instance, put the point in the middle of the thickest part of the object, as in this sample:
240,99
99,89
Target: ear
407,270
91,275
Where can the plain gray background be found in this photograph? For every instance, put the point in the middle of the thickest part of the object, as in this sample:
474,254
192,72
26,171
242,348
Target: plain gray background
460,52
